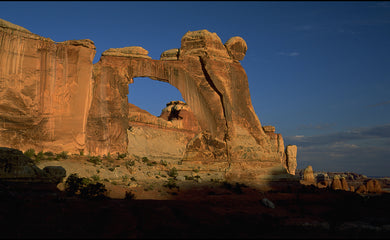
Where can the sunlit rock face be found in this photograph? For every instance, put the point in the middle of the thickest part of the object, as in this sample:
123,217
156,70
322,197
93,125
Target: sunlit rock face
53,98
45,90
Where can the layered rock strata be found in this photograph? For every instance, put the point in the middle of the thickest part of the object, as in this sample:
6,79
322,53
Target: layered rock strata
45,90
53,99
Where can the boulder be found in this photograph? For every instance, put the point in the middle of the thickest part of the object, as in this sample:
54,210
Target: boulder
171,54
236,47
58,173
18,168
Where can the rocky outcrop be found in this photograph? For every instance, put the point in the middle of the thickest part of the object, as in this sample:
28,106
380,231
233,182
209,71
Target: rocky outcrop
52,99
45,90
308,176
17,168
336,183
291,158
373,186
134,52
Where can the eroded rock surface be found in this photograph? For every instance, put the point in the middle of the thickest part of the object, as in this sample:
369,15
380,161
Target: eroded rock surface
53,99
45,90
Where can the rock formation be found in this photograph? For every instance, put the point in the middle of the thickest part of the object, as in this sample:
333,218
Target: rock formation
291,158
45,90
344,184
15,167
308,176
336,183
373,186
53,98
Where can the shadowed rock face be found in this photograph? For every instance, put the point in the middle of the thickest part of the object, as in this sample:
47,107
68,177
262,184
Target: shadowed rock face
52,98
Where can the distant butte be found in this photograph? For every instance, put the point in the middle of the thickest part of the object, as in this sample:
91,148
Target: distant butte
53,98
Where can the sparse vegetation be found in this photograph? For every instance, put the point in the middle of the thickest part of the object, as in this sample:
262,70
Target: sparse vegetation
121,155
164,163
129,195
145,160
96,178
82,187
151,163
29,153
237,188
62,155
94,159
171,183
188,177
111,169
173,173
129,163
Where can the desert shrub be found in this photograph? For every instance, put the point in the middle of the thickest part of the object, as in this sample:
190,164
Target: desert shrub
49,154
195,170
96,178
94,159
111,169
39,156
188,178
129,195
93,191
125,178
145,160
129,163
171,183
81,152
29,153
108,157
133,179
63,155
121,155
164,163
173,172
151,163
82,187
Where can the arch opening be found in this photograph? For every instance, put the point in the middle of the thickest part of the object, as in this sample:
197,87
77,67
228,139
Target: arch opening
151,95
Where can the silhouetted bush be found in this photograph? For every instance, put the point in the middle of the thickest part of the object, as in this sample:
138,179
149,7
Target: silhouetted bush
82,187
129,195
29,153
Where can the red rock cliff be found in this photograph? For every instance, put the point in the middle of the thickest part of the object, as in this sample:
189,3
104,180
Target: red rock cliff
45,90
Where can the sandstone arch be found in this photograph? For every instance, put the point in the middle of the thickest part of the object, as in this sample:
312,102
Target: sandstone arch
54,98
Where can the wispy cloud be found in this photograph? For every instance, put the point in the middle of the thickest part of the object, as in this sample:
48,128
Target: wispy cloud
361,150
316,127
379,104
382,131
290,54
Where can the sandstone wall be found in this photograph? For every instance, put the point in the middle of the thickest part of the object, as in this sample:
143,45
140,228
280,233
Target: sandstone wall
45,90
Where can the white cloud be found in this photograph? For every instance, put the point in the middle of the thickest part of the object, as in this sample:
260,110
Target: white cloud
290,54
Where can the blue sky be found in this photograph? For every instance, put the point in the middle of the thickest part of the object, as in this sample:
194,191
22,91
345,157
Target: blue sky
318,71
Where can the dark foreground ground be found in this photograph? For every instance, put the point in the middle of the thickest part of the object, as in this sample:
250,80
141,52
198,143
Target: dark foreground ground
199,213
